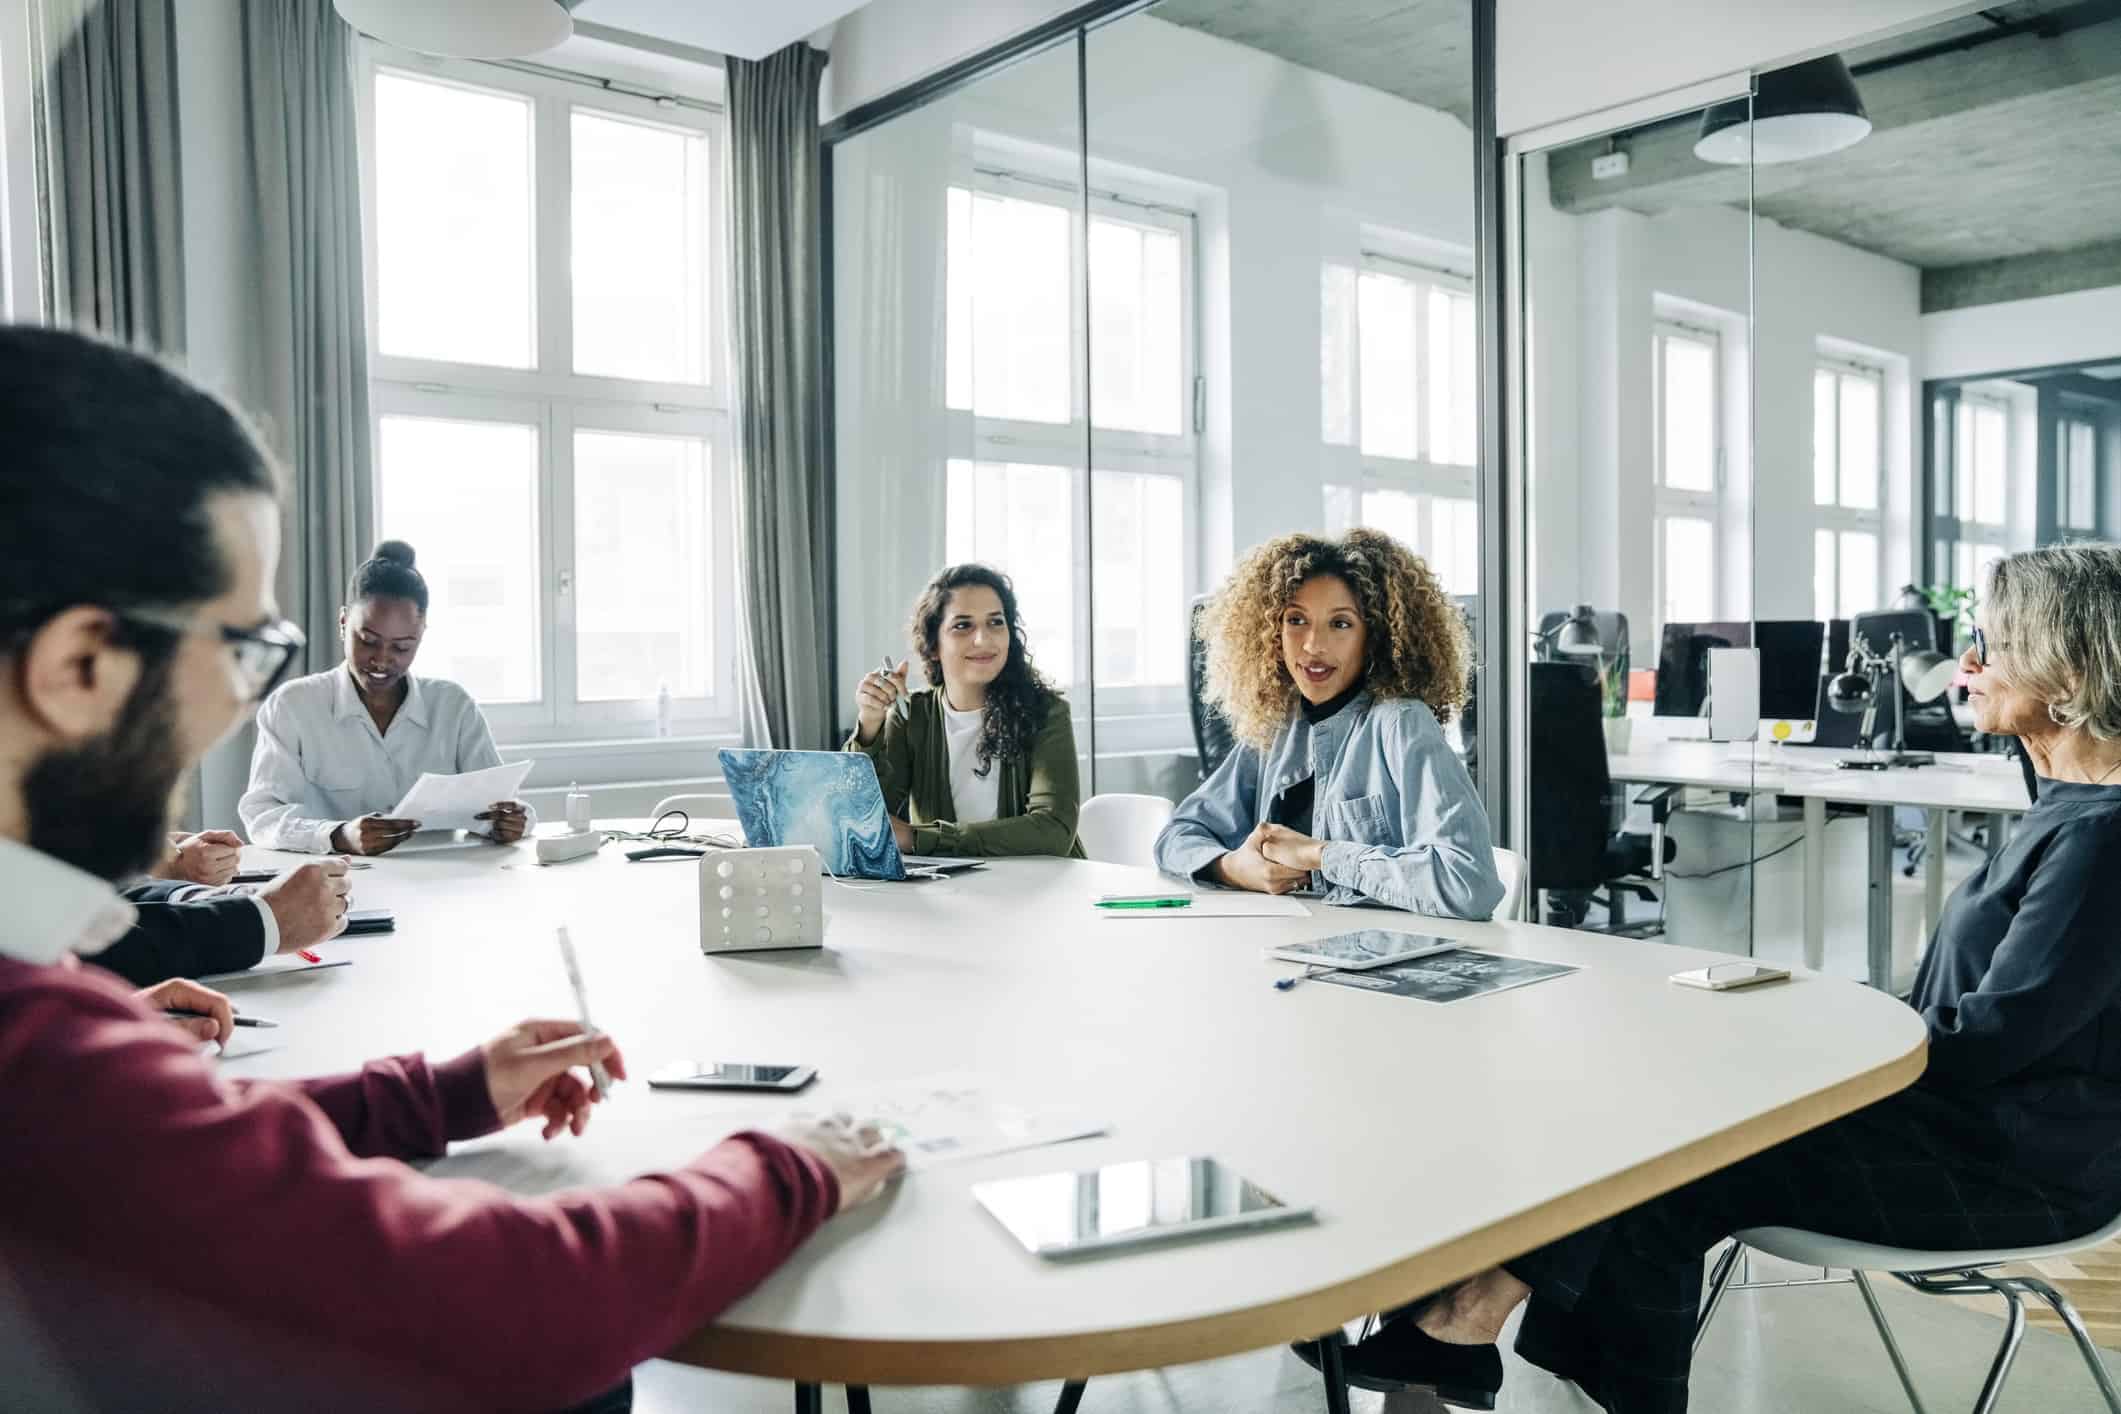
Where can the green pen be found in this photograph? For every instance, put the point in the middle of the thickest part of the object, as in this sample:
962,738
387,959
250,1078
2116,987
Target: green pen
1145,903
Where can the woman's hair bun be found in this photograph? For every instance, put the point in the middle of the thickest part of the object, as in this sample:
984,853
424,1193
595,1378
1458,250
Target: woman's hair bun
396,551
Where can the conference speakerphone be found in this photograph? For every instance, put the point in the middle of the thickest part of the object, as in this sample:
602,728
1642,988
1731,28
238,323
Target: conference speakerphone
752,900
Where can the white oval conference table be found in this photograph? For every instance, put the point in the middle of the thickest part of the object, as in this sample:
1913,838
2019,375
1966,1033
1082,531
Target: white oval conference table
1433,1140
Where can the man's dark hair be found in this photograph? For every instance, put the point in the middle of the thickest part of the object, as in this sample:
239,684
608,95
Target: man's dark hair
388,573
108,463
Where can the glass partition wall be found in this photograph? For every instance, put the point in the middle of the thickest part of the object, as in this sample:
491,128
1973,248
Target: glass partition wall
1112,314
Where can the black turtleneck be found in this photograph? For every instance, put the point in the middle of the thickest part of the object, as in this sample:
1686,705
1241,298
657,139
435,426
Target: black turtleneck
1316,712
1293,807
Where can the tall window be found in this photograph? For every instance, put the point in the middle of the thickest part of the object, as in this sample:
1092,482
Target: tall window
1398,373
549,391
1689,468
2077,449
1980,486
1013,378
1847,457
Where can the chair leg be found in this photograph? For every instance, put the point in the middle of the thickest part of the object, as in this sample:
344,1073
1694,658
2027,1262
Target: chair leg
1329,1348
857,1399
2013,1333
1892,1346
1719,1282
809,1399
2093,1361
1071,1397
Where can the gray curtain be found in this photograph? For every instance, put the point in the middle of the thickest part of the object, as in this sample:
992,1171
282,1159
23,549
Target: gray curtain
310,378
786,497
113,247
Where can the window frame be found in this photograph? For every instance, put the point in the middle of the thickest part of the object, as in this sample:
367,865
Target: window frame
557,402
1424,477
2069,420
1837,517
1675,503
1959,538
1141,717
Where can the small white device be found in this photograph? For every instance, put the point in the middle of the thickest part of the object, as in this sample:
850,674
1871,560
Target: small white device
577,807
1060,1215
731,1075
755,899
558,849
1362,949
1734,694
1730,976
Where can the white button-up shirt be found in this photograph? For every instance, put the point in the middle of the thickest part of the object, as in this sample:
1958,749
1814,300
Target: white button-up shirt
320,761
54,909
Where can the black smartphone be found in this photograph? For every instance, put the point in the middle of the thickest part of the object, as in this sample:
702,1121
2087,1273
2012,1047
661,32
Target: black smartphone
370,920
729,1075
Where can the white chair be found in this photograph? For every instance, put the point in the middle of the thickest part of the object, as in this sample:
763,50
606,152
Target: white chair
1122,829
699,807
1510,867
1939,1274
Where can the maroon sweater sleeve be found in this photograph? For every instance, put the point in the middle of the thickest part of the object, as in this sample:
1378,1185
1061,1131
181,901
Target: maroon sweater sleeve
148,1166
401,1108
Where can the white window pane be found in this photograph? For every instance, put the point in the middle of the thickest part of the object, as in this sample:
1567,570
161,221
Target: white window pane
1963,463
1013,301
1135,326
957,300
1991,458
453,223
644,561
1824,598
1385,320
1824,444
1397,514
1141,606
1340,509
641,241
1454,550
1018,518
1451,377
1689,569
1963,565
1859,573
1859,443
1689,406
2082,482
1984,555
1336,354
465,494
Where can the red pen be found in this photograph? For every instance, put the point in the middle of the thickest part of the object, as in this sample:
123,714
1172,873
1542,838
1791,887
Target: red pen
308,956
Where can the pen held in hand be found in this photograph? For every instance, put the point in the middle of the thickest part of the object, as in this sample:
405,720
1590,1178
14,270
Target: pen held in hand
597,1072
181,1014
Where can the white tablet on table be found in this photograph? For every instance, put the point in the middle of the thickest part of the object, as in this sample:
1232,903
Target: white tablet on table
1362,949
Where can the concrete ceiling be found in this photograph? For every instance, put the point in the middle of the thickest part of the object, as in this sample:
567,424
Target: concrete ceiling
1419,50
1999,161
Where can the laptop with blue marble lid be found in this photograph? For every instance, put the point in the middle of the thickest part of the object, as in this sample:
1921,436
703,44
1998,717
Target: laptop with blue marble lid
829,800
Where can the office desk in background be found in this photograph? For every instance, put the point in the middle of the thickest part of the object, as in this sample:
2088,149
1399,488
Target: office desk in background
1977,783
1433,1140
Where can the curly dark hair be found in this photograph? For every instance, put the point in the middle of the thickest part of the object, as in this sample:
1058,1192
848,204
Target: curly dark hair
1019,697
1418,645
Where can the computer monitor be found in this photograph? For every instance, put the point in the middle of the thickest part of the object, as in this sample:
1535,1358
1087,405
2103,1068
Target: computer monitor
1789,666
1683,663
1837,644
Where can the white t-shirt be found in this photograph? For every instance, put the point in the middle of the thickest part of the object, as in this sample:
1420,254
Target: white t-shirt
977,798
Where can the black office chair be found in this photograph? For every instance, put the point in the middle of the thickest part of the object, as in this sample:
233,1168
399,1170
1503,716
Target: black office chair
1575,850
1212,738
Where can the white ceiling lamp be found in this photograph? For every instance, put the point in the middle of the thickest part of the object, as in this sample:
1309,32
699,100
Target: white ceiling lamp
1806,110
462,29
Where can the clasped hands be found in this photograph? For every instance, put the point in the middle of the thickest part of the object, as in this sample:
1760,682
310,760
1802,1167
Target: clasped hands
1274,859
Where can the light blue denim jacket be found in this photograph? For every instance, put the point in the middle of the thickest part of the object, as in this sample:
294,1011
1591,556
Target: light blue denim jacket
1404,824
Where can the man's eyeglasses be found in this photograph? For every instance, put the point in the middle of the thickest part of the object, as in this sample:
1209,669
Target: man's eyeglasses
1982,647
263,654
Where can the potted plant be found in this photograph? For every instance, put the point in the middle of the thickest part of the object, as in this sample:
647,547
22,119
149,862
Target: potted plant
1613,697
1953,608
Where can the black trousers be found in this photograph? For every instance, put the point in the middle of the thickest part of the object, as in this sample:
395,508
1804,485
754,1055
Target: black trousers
1614,1307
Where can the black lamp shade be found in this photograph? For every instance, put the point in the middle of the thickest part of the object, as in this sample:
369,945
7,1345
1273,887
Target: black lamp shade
1806,110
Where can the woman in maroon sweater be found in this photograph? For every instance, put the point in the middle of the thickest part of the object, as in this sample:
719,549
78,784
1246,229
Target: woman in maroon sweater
170,1238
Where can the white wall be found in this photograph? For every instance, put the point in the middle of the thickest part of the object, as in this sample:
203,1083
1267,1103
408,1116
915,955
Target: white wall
2022,334
1560,59
887,44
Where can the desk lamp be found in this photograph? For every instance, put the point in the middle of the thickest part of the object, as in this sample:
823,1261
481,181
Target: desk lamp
1574,639
1923,673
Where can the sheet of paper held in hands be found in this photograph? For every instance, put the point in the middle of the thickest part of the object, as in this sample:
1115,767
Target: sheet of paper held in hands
450,802
1219,904
1451,976
948,1118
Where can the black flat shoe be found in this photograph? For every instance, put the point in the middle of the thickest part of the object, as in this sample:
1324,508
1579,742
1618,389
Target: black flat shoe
1401,1356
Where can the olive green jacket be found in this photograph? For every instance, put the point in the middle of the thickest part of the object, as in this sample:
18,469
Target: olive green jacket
1035,802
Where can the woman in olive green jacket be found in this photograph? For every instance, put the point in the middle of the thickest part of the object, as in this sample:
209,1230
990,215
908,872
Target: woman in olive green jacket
982,760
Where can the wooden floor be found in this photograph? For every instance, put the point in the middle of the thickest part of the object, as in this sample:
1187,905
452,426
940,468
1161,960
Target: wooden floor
2092,1282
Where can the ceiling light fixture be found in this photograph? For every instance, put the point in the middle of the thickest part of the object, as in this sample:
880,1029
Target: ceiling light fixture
1806,110
462,29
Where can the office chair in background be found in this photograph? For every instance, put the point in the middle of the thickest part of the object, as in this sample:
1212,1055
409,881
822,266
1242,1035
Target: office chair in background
1575,850
1212,738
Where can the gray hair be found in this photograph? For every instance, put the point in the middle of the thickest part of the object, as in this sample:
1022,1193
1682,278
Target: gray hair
2059,607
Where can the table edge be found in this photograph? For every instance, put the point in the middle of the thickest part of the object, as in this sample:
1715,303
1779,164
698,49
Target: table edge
1079,1355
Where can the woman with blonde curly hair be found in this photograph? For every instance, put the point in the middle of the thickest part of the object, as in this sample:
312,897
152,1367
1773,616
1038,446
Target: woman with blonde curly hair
1338,662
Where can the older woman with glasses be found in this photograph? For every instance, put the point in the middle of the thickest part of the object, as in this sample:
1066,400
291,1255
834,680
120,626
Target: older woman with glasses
2011,1138
338,748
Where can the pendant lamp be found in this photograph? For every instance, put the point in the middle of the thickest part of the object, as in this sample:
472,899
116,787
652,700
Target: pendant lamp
462,29
1806,110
